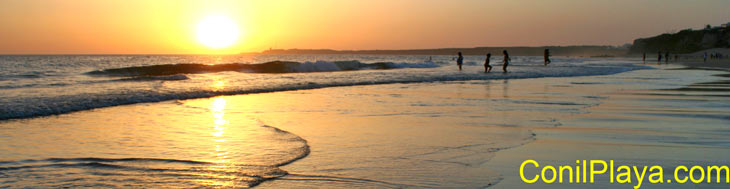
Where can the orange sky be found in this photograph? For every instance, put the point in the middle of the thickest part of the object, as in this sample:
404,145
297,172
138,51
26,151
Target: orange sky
168,26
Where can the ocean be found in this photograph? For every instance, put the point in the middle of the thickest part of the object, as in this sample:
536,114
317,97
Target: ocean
48,85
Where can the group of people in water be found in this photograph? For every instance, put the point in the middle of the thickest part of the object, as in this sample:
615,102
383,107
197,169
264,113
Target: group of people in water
666,57
659,57
714,56
505,61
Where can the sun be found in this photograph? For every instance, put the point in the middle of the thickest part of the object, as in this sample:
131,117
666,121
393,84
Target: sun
217,31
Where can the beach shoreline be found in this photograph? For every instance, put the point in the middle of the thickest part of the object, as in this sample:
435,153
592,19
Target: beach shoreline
695,60
624,141
717,65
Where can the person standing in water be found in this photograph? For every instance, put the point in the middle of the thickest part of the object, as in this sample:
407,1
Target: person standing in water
644,59
487,67
506,61
460,61
659,58
666,57
547,57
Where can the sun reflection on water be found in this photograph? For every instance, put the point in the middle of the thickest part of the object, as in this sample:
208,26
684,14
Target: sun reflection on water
218,85
217,109
219,127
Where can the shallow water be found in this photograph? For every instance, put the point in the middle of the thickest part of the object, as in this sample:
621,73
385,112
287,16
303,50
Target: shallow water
146,146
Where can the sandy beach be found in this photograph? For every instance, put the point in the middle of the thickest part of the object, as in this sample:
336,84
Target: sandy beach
645,129
631,124
695,60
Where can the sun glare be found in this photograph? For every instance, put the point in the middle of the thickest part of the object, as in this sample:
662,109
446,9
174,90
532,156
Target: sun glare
217,32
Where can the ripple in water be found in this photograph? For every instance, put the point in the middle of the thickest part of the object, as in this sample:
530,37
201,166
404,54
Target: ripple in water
201,146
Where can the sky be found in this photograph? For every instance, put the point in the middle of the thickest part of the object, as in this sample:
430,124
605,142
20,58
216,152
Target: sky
169,26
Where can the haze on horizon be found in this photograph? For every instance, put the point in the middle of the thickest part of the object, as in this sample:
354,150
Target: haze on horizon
168,26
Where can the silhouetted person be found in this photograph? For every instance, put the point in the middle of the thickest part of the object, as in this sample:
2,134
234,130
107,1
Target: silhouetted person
644,59
460,61
487,67
705,57
506,61
660,57
547,56
666,57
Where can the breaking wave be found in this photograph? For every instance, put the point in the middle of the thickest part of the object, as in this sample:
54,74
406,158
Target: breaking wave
268,67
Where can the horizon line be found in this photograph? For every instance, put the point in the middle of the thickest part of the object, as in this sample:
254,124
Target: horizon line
259,52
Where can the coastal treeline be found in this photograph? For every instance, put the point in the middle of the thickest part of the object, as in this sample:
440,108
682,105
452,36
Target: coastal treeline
685,41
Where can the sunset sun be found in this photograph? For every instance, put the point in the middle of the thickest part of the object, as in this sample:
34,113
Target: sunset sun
217,32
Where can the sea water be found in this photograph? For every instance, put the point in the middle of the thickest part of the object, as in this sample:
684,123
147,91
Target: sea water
55,84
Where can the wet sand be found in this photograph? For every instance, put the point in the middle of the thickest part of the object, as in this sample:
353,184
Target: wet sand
684,123
712,64
633,118
695,60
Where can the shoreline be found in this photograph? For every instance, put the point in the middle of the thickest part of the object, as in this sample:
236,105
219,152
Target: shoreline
712,64
583,138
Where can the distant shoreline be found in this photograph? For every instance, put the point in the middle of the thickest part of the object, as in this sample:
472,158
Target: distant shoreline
586,50
695,60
